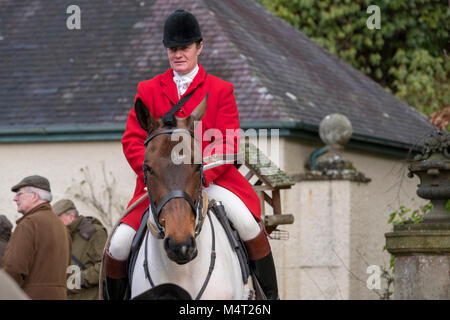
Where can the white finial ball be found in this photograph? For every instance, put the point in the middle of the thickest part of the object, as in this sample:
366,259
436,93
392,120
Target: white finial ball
335,129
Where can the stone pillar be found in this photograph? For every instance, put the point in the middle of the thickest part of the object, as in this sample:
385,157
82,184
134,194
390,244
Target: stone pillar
422,251
328,236
328,197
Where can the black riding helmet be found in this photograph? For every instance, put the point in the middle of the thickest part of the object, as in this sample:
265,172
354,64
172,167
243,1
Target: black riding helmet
180,29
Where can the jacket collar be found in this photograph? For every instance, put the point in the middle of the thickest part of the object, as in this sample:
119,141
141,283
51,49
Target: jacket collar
170,88
74,225
41,207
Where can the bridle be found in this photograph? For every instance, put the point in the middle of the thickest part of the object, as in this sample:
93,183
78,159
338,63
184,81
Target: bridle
158,230
155,227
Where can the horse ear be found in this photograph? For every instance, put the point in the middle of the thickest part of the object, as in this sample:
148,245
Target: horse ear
200,110
143,115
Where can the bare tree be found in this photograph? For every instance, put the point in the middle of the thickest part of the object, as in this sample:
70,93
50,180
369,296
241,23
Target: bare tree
103,198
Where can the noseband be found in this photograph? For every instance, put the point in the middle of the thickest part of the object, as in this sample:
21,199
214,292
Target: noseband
197,205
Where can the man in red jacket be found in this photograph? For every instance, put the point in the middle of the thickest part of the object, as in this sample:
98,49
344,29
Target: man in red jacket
183,41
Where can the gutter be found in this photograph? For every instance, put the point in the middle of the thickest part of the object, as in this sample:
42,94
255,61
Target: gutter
62,133
115,132
310,132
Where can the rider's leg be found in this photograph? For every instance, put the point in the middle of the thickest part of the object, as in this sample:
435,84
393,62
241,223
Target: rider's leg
121,240
254,237
116,258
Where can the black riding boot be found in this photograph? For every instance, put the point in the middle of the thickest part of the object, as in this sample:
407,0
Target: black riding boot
115,289
264,270
116,283
262,265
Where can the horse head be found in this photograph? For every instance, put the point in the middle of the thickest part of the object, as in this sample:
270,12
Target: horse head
173,178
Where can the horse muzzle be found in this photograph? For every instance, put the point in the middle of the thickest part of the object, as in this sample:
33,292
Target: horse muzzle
180,252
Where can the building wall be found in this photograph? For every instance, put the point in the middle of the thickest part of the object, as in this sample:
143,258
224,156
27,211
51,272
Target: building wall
369,205
61,163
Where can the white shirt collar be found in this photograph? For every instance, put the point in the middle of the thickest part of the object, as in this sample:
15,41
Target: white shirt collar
184,81
190,76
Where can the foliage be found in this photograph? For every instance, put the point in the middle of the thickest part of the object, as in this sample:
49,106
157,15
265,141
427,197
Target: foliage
398,217
388,276
407,55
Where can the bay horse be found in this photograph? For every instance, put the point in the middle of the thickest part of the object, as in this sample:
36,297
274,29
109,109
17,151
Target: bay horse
184,243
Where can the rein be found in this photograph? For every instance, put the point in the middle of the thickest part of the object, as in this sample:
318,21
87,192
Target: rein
211,264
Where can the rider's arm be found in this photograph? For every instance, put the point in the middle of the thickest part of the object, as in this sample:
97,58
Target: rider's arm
227,118
133,142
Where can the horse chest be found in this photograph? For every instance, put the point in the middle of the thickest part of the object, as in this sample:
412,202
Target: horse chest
225,282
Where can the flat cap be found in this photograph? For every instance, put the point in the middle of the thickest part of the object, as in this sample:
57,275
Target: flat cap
33,181
62,206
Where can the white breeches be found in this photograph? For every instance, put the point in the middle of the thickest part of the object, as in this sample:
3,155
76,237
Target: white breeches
237,212
121,241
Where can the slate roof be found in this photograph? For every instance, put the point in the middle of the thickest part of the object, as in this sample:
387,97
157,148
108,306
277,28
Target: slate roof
53,78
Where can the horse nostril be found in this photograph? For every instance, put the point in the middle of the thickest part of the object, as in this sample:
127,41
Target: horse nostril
167,242
192,241
181,252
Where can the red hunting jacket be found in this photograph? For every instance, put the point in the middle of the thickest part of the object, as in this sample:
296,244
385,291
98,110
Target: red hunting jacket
159,95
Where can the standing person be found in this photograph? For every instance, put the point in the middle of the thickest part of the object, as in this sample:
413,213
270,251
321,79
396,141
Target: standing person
187,78
38,253
88,241
5,233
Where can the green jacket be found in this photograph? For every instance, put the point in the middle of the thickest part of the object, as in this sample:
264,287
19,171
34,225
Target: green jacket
88,241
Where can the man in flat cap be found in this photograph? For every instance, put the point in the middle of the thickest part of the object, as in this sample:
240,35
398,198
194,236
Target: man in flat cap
38,253
88,241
